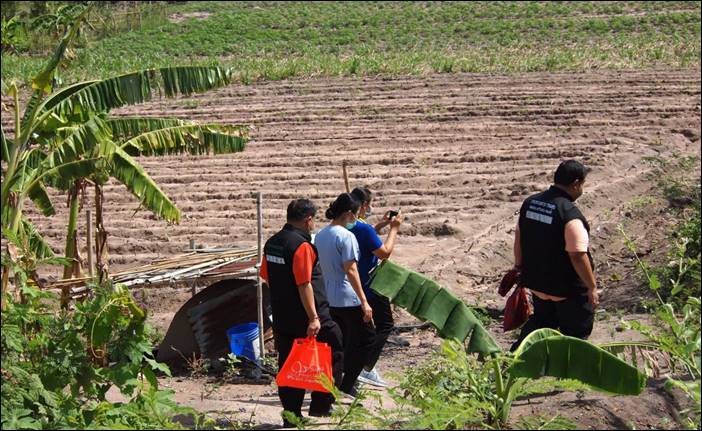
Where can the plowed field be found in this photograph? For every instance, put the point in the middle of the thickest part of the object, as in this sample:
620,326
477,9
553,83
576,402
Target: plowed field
457,153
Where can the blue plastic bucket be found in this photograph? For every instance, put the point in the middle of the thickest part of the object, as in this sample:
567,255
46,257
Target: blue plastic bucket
243,340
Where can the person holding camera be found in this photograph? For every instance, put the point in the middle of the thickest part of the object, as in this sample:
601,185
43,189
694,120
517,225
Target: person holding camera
339,257
372,249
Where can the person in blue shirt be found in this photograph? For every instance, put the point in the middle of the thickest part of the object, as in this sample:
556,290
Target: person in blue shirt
372,249
339,256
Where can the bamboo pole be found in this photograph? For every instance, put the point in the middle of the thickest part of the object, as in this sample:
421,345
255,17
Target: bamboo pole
259,288
89,240
346,177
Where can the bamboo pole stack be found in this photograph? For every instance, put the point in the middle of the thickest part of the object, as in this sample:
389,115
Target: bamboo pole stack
202,264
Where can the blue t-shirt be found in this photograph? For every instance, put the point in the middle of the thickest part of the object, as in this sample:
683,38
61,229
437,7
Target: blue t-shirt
368,242
335,246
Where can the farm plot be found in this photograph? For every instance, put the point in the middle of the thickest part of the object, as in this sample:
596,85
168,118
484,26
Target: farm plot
457,153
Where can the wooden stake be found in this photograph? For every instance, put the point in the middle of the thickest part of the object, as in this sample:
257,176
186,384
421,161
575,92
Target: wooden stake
346,177
89,241
259,288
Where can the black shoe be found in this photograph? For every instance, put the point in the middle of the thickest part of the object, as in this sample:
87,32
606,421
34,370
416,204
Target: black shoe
353,393
321,413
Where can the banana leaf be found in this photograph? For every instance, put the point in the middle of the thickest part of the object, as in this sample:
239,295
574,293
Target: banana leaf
441,307
426,300
388,279
130,173
139,87
36,243
566,357
409,291
423,302
460,323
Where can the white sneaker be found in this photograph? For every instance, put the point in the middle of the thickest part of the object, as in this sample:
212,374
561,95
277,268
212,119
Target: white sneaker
372,378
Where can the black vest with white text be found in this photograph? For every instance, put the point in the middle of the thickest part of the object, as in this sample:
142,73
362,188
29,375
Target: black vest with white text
546,265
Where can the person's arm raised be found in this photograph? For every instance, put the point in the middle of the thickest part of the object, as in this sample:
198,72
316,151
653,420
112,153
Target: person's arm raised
387,248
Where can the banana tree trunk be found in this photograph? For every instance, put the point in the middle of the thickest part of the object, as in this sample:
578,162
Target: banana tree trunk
71,234
100,236
9,198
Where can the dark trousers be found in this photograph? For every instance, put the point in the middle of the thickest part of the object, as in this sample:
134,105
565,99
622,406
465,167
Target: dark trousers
292,398
384,323
573,316
358,337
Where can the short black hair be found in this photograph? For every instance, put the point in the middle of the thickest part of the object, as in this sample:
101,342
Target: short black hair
345,202
570,171
362,194
299,209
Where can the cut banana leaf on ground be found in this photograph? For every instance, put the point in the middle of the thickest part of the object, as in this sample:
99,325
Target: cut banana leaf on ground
426,300
548,353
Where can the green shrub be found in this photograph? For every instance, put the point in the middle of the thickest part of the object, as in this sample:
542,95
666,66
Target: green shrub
57,365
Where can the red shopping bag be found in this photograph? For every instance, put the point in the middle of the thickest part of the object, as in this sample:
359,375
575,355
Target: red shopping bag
517,310
512,277
308,360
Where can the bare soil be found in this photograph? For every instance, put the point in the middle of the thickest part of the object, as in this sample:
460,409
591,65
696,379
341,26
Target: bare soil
458,154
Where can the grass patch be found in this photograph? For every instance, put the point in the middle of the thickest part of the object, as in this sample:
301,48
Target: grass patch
272,41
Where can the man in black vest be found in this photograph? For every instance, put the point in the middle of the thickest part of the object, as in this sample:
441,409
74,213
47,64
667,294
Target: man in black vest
298,299
551,248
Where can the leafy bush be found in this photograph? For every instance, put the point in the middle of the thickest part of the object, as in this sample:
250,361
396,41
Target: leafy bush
680,278
14,35
451,391
678,308
58,365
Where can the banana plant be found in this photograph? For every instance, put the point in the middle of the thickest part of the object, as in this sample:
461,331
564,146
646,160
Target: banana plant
548,353
544,352
66,138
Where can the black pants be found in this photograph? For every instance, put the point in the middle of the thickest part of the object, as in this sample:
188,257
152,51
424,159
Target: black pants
358,337
573,316
382,317
292,398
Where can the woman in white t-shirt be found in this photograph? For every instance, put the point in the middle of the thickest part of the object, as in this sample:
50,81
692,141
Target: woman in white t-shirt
338,256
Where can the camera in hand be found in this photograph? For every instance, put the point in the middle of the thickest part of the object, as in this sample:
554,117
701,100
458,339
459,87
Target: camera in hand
393,213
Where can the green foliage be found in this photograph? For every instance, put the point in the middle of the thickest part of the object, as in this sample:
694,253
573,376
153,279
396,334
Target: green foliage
58,21
65,138
274,40
14,36
452,390
680,278
677,333
563,357
457,390
57,366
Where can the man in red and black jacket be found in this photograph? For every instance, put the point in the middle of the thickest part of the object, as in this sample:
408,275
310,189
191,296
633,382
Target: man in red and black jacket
298,299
